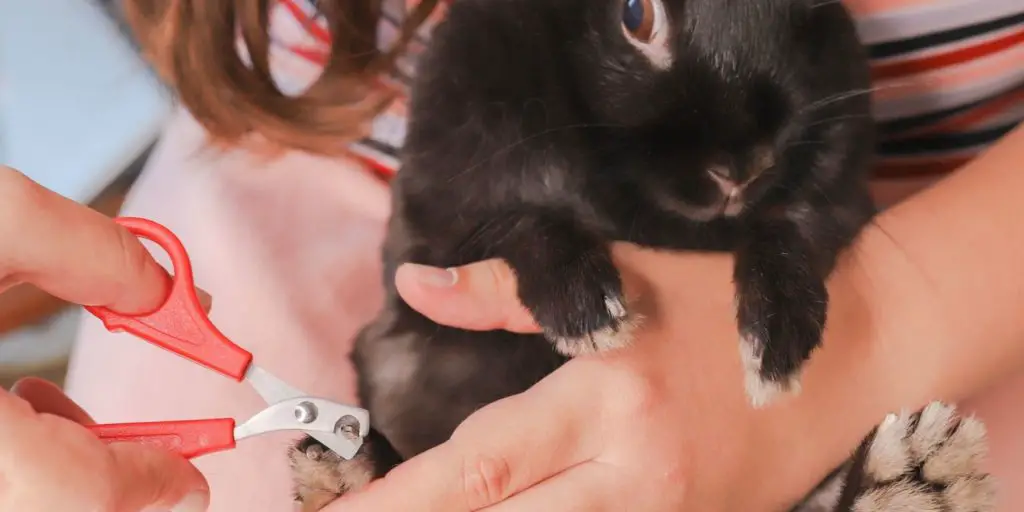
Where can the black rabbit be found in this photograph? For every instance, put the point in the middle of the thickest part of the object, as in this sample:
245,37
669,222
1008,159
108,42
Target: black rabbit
542,130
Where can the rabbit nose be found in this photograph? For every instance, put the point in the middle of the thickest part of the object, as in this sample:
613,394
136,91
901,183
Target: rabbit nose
721,176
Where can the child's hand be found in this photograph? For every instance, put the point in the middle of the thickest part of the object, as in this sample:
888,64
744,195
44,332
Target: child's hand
663,425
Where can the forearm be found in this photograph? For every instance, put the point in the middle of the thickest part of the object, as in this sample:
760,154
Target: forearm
955,253
924,307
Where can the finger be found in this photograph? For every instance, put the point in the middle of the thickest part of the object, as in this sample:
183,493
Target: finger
588,487
45,397
205,300
151,478
72,251
478,296
499,451
12,406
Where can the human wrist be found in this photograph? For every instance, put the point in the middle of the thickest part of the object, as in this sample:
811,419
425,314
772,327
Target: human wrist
939,270
905,351
865,369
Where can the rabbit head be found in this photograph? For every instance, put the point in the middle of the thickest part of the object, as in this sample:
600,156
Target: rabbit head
698,102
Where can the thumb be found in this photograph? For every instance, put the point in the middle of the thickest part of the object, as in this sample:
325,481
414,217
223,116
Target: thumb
151,479
479,296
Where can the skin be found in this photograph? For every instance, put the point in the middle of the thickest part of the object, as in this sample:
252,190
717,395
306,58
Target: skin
663,425
49,461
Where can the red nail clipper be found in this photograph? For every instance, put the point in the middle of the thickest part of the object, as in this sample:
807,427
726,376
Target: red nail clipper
181,326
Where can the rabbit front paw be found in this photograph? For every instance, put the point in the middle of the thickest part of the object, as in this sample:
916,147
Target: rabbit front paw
582,310
781,316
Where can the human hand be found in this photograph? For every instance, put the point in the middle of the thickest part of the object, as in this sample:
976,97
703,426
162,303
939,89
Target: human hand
72,251
663,425
49,461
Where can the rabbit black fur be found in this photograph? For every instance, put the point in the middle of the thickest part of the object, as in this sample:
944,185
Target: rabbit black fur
539,133
542,130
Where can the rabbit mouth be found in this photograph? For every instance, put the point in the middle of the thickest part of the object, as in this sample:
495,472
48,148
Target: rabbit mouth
733,203
730,201
728,205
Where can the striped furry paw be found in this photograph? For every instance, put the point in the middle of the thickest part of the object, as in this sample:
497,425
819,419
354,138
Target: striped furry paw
320,476
928,461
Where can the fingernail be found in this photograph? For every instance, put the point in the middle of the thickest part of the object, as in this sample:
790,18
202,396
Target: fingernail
9,282
195,502
433,276
205,299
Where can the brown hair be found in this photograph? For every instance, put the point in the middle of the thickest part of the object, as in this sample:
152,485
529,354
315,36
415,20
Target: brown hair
192,44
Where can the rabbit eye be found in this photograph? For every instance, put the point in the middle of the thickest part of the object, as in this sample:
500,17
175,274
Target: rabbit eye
645,23
638,18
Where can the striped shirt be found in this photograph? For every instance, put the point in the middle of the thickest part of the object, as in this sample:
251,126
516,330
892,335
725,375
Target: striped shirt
948,76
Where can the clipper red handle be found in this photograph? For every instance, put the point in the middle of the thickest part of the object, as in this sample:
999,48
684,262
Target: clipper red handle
189,439
179,324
